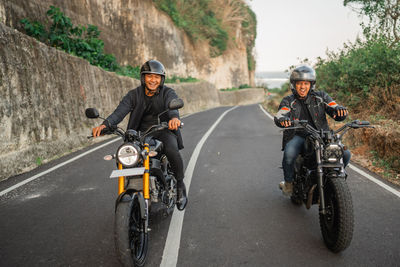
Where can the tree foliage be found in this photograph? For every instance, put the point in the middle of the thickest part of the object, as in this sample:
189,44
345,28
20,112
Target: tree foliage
383,15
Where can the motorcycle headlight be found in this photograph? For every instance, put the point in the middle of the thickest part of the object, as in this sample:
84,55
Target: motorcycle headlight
333,153
128,155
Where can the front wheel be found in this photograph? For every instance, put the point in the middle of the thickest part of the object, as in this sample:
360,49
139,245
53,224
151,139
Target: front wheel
131,241
338,222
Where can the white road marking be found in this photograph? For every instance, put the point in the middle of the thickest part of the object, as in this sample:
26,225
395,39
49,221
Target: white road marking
54,168
361,172
197,112
172,244
381,184
266,113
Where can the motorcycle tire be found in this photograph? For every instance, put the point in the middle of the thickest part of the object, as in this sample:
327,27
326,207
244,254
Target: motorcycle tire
131,241
338,222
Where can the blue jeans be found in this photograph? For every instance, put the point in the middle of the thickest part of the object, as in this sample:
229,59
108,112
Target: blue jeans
292,150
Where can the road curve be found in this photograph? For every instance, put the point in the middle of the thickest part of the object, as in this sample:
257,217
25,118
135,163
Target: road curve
236,215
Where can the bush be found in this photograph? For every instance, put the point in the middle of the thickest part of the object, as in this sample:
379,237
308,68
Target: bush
80,40
365,73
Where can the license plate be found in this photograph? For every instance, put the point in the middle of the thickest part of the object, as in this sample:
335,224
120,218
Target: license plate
127,172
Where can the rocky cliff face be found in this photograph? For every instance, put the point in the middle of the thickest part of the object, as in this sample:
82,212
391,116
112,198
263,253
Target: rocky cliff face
135,31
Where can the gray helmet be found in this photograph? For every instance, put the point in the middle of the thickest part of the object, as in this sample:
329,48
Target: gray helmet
302,73
152,67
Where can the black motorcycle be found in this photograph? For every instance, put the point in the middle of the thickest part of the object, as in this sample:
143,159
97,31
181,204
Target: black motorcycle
320,178
144,177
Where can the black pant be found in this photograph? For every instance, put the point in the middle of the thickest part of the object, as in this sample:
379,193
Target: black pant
170,148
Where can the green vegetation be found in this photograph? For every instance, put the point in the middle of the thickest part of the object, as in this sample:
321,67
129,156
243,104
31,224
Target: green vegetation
176,79
81,41
214,20
385,164
383,15
77,40
39,161
363,74
197,20
242,86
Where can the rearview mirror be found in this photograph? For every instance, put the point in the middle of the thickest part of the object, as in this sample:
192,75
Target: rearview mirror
92,113
176,103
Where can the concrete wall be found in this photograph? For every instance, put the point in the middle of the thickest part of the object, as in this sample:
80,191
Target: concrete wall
44,92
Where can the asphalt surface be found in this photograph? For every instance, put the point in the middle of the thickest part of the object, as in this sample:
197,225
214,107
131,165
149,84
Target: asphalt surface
236,214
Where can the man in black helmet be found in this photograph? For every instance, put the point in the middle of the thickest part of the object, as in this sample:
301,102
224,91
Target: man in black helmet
304,104
144,103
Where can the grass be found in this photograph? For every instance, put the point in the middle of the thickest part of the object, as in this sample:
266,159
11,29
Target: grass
242,86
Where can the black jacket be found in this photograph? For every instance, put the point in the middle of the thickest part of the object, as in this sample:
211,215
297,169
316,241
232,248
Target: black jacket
134,103
318,103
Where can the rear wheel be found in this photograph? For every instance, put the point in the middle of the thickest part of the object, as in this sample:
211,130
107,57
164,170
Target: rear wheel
131,241
338,222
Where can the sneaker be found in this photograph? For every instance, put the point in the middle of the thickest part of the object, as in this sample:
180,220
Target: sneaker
286,187
182,198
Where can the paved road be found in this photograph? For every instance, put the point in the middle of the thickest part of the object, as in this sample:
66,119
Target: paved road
236,215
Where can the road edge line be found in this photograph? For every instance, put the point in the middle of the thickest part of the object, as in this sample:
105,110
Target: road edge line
54,168
376,181
359,171
172,243
266,113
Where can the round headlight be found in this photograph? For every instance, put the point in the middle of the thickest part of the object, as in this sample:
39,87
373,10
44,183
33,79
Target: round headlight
333,153
128,155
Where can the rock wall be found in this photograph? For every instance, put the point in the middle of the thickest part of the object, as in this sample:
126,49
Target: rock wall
44,92
136,31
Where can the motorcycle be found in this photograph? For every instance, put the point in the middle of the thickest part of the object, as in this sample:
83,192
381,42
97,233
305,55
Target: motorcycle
320,178
144,177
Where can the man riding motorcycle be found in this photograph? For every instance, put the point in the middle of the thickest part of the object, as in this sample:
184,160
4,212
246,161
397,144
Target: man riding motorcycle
304,104
144,103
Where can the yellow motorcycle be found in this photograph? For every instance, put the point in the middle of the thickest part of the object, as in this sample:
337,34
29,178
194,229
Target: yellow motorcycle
144,176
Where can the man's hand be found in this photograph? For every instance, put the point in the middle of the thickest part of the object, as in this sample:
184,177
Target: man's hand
174,123
284,122
340,112
97,130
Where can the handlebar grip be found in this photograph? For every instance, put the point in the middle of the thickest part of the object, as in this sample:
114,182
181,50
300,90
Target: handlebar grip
361,123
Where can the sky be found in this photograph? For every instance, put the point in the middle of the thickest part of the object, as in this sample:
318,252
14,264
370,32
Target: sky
292,29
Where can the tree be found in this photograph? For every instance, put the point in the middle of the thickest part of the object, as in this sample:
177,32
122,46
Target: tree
383,17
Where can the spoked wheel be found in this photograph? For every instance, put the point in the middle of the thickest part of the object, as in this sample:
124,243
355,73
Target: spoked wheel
131,241
170,201
338,222
173,196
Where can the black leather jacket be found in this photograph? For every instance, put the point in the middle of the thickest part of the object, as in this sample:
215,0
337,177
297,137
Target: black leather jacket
318,103
134,103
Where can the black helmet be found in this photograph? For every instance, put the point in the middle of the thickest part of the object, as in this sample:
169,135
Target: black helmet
153,67
302,73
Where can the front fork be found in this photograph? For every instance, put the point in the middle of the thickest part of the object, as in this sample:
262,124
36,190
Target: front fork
320,179
146,189
146,183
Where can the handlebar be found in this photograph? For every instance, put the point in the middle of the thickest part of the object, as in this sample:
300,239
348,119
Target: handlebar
120,132
303,124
